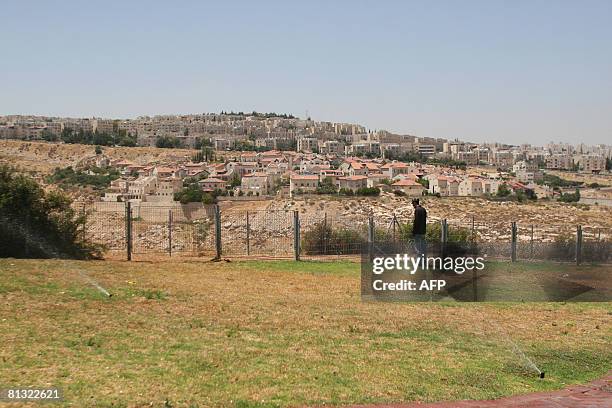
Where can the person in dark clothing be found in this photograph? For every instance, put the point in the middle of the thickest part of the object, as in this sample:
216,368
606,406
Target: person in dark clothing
419,227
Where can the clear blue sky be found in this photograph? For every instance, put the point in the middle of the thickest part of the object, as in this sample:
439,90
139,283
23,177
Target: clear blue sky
515,71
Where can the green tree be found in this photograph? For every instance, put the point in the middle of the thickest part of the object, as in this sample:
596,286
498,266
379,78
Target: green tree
39,224
168,142
503,190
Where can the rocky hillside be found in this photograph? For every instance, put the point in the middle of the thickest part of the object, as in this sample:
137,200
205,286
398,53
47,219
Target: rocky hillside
40,158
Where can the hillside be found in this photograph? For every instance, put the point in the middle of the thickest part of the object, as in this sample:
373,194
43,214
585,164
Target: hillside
41,158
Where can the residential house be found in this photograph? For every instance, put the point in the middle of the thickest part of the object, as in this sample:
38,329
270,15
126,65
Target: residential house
211,184
352,182
303,183
255,183
471,186
410,187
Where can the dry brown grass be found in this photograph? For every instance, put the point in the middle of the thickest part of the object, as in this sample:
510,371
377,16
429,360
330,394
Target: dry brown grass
272,333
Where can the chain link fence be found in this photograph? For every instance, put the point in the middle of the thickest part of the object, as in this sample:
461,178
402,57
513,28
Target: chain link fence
141,229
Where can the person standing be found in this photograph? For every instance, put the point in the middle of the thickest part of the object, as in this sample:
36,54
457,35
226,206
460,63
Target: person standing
419,228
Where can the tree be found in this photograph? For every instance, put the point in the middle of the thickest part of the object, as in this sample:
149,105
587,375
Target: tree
98,150
169,142
327,186
39,224
49,136
570,197
503,190
235,180
189,194
423,182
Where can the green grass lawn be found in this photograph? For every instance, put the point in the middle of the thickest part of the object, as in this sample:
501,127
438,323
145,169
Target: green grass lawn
275,333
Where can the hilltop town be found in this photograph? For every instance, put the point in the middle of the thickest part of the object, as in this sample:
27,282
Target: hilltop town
237,156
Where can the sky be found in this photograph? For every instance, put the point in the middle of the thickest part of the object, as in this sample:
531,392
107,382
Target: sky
509,71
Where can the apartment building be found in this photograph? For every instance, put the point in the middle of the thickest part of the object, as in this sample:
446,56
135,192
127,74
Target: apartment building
307,144
590,163
426,150
559,162
331,147
527,172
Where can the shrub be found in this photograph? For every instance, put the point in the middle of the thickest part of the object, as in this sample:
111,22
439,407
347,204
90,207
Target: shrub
39,224
368,191
322,239
68,177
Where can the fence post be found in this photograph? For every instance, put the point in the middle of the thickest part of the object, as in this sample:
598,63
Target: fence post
26,246
218,232
325,234
128,229
248,233
370,238
578,244
513,243
473,228
84,215
296,235
170,232
531,243
443,236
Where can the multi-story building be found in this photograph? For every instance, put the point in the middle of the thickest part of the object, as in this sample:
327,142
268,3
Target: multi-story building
591,163
559,162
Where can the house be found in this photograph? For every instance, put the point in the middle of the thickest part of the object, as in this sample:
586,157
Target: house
255,183
165,189
541,191
410,187
444,185
490,186
164,172
195,169
243,168
354,168
352,182
393,169
471,186
302,183
211,184
375,179
332,174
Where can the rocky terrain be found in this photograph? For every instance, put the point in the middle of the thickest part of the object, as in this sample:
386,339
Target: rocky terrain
41,158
